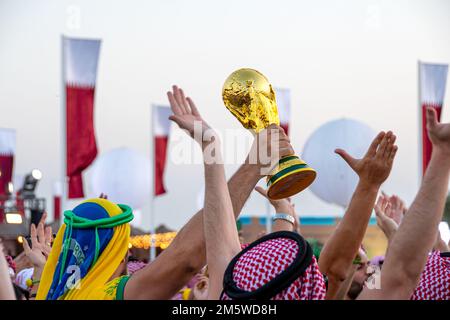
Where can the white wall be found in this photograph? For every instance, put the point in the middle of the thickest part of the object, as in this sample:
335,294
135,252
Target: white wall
355,58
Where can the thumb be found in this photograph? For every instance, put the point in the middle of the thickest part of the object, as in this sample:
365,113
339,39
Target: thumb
26,247
347,158
431,118
175,119
261,191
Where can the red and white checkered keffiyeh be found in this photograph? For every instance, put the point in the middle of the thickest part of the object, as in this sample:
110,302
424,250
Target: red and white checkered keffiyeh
435,279
264,262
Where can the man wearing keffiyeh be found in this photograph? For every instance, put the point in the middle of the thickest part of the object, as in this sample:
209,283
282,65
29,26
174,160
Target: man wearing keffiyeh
285,249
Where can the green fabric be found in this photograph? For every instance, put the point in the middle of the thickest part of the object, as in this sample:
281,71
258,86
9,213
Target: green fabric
121,287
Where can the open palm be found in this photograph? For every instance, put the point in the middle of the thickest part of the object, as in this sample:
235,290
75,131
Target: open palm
439,133
186,114
41,239
377,163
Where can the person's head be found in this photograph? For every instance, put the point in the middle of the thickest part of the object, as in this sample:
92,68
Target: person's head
361,275
90,249
278,266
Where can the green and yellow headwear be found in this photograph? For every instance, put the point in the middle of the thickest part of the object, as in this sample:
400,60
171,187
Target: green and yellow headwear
88,249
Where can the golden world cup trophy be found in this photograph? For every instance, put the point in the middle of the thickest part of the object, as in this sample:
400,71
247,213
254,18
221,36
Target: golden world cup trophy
249,96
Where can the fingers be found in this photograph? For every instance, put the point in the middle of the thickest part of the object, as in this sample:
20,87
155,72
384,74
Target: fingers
431,116
176,119
33,236
43,218
383,145
285,149
374,145
390,147
48,237
193,107
176,109
181,100
347,158
184,101
25,245
40,233
262,191
393,153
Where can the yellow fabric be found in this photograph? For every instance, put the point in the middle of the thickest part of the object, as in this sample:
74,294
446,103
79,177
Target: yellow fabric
94,285
185,293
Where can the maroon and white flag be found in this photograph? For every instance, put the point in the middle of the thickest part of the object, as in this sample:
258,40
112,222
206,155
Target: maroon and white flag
283,98
432,81
80,73
7,151
161,130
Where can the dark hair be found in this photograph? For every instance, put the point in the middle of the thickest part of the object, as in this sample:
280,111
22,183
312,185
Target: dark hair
21,293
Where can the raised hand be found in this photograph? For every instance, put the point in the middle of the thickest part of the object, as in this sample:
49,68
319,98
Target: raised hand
273,138
186,115
200,290
385,216
281,206
375,166
397,207
439,133
41,239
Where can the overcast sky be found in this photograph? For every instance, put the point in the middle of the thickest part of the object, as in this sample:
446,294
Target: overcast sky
355,59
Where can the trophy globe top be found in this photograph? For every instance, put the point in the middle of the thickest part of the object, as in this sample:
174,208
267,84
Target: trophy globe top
249,96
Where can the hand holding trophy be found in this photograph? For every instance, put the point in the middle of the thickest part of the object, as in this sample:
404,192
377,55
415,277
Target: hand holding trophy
249,96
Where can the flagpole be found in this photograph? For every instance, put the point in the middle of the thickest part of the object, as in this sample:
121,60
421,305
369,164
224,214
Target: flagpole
420,122
268,218
63,129
152,201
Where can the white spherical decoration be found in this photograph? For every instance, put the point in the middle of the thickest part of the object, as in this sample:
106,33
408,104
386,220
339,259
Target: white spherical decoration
124,175
335,180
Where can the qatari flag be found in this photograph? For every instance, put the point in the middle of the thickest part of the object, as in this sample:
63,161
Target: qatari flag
161,130
80,72
7,151
432,80
283,98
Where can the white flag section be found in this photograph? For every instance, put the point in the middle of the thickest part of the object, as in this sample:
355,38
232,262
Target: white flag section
80,62
433,78
161,130
283,98
7,151
432,82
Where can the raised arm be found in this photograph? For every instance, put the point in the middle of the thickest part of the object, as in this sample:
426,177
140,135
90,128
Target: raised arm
6,287
409,248
186,255
219,223
342,246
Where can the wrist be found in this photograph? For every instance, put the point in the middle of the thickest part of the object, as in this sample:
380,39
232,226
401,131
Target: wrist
284,209
251,170
442,156
368,186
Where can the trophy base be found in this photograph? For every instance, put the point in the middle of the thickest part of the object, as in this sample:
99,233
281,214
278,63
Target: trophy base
291,176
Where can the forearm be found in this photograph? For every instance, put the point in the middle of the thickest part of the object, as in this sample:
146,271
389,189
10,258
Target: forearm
6,288
416,236
342,246
37,273
221,236
342,288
